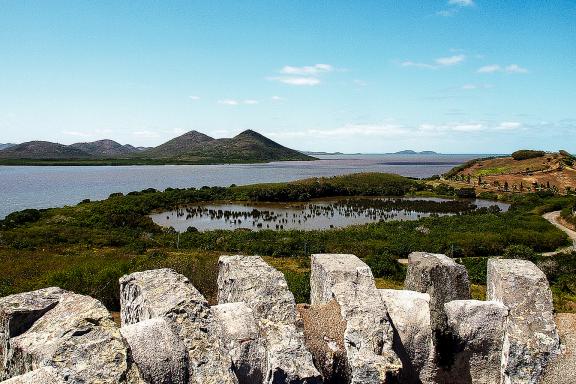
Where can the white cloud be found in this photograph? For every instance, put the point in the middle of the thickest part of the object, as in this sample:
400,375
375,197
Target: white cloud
470,87
417,65
311,70
440,62
194,98
452,60
509,125
310,81
228,102
308,75
235,102
495,68
514,68
277,98
461,3
77,133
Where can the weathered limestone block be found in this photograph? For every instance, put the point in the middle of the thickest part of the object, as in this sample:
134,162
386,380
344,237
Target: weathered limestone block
264,289
44,375
241,337
409,312
440,277
77,337
19,312
251,280
324,335
531,339
478,335
368,336
561,369
330,269
159,354
163,293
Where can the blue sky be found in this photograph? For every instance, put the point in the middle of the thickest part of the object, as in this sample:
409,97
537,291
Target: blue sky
455,76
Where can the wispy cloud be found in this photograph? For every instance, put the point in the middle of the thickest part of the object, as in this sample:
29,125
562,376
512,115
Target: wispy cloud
461,3
496,68
401,131
454,7
310,81
194,98
471,87
235,102
308,75
441,62
277,98
311,70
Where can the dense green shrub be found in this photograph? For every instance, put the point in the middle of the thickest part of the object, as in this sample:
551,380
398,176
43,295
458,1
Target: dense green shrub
525,154
519,251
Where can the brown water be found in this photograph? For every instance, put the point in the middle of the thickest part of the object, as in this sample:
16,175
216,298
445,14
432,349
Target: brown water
318,214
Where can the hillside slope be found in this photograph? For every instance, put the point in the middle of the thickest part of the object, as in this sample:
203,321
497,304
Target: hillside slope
105,148
248,146
554,171
40,150
178,146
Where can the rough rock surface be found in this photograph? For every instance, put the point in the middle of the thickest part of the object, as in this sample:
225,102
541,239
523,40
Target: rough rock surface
531,338
561,369
251,280
19,312
409,312
440,277
160,356
166,294
368,336
264,289
44,375
242,339
77,337
330,269
324,335
478,330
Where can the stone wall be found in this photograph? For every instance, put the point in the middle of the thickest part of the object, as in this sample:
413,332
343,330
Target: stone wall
352,332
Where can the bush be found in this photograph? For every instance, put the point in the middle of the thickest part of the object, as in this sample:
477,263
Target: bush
519,251
525,154
386,265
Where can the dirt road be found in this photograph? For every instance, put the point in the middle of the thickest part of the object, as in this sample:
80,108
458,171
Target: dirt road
553,217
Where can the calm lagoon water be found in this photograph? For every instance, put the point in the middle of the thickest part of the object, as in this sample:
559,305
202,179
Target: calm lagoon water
43,187
317,214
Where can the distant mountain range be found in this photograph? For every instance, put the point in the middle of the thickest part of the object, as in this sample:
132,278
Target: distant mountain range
7,145
411,152
192,147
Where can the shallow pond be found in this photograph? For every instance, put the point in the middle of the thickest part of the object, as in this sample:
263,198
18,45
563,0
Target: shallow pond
318,214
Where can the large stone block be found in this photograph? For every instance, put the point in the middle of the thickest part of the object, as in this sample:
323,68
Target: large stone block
241,337
531,339
264,290
163,293
440,277
330,269
409,312
19,312
368,337
44,375
77,337
159,354
477,329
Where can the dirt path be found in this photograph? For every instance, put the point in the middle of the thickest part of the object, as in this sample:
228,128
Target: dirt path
553,217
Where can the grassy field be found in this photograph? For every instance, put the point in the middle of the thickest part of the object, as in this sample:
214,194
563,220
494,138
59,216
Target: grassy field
86,248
